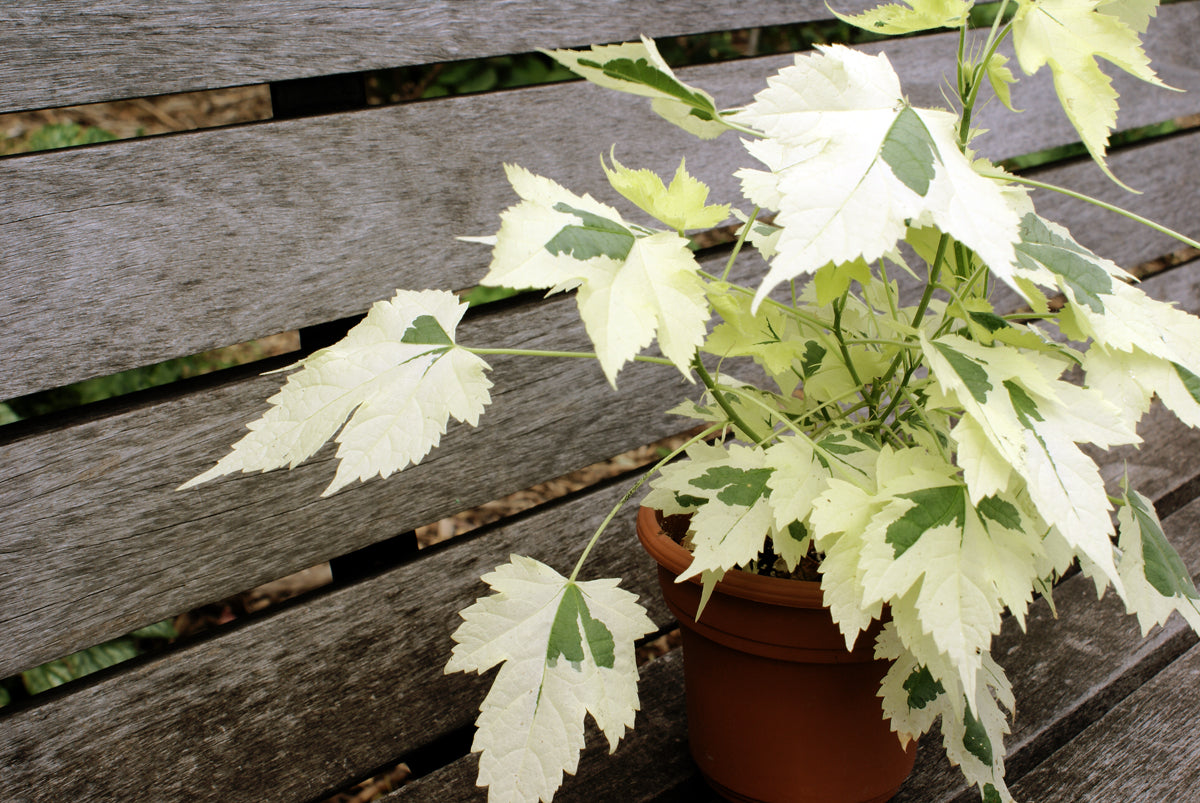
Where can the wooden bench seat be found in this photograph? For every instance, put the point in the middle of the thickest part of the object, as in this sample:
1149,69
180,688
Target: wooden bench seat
124,254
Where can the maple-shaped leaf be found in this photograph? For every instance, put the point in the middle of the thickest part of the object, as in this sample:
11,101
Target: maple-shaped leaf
398,376
633,284
639,69
1069,35
947,568
919,15
852,165
1018,412
681,205
725,489
1156,580
567,650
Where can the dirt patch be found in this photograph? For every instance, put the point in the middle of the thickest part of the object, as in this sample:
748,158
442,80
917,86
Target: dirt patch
141,117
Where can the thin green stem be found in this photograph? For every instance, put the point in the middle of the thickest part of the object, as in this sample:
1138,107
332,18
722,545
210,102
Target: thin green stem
629,495
719,395
935,270
837,333
737,247
995,37
1105,205
929,427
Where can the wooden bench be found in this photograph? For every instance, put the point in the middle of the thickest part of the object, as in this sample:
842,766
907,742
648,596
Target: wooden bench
128,253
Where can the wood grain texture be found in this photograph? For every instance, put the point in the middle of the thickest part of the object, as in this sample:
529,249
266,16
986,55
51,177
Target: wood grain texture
1144,749
69,52
139,251
296,704
97,542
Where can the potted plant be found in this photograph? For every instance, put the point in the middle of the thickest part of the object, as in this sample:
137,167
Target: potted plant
922,456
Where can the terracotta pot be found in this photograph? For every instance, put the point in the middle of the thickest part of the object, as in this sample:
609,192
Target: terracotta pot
778,710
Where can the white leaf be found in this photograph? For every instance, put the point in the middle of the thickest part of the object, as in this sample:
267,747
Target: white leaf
915,695
851,164
655,291
1141,346
567,651
397,375
633,284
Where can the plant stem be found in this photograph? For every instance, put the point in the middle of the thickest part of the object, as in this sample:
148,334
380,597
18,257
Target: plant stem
629,495
1105,205
737,247
719,396
837,333
934,271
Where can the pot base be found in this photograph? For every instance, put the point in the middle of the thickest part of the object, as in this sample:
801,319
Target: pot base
778,710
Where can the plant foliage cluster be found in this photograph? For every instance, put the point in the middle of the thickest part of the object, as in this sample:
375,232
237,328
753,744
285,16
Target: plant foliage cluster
929,451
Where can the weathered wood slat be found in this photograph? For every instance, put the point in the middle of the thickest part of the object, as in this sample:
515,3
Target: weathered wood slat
316,694
1142,750
140,251
97,542
71,52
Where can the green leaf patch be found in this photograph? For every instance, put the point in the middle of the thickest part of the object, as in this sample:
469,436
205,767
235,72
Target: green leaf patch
597,236
566,640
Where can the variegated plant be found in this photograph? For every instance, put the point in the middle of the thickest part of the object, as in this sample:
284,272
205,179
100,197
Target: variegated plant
928,454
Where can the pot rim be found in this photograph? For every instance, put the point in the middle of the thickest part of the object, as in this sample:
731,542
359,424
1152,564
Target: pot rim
737,583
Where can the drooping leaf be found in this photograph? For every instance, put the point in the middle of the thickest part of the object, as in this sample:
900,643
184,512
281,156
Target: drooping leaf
973,723
1156,580
391,386
639,69
828,119
1069,35
680,206
945,570
567,651
908,17
656,292
1047,247
1020,417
